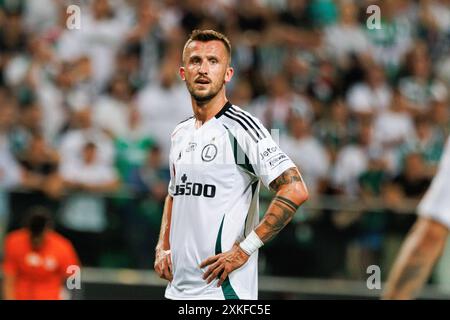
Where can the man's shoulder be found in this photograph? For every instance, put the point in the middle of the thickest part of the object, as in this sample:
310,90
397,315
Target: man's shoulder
239,120
182,125
17,235
59,240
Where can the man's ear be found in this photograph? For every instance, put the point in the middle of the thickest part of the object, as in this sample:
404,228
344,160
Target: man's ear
182,71
229,74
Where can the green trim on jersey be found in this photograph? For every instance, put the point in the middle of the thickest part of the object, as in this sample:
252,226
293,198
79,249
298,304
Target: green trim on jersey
227,289
254,186
238,152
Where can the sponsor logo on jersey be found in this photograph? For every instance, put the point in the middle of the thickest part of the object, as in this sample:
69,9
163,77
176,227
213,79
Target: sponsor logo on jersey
209,152
277,160
194,189
192,146
268,152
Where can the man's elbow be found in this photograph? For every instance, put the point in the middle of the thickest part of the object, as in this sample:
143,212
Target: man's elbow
299,193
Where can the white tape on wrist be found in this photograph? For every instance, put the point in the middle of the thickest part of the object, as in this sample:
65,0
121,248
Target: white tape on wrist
251,243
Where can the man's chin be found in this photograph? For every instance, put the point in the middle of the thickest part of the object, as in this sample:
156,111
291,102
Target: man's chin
203,97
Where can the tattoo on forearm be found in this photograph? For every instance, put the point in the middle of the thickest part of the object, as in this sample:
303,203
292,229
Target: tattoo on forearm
286,202
289,176
415,273
274,222
411,274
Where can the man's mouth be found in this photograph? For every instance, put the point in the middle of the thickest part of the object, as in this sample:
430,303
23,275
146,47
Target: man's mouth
202,81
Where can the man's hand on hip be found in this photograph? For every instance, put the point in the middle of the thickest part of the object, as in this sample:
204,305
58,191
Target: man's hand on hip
221,265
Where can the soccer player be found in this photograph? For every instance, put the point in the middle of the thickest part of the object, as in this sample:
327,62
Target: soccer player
426,240
36,260
210,235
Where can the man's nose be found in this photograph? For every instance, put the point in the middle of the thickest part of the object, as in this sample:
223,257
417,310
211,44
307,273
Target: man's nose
203,67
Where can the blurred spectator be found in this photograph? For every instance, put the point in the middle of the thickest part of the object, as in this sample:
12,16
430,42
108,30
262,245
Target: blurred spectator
389,44
335,129
164,104
111,111
83,215
352,160
372,96
104,31
347,37
393,128
132,146
420,86
429,143
81,132
36,260
307,153
275,108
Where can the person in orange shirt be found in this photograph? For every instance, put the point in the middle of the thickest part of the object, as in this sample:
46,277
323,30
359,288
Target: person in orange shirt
36,260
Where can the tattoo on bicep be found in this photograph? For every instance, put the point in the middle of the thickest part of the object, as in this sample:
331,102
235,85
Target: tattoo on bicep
289,176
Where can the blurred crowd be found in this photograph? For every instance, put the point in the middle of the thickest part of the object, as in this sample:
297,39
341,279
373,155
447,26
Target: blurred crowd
363,111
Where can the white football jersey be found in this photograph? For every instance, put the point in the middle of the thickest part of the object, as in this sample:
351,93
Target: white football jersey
216,171
436,202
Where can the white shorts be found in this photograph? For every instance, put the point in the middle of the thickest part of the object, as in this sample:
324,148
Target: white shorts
436,202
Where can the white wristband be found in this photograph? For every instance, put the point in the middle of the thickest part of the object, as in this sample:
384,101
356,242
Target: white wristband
251,243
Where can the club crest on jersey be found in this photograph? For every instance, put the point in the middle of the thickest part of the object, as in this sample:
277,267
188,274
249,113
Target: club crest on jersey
192,146
209,152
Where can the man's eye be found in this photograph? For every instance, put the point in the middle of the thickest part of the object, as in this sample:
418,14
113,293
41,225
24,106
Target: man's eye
213,61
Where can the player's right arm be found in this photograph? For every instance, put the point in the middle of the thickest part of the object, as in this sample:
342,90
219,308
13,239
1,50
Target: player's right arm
420,251
163,261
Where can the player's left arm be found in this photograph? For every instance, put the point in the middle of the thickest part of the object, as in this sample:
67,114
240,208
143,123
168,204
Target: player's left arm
291,192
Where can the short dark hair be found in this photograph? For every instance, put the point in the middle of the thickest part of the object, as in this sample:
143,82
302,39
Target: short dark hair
208,35
37,220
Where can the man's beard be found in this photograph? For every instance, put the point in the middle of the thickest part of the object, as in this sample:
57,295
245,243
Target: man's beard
204,98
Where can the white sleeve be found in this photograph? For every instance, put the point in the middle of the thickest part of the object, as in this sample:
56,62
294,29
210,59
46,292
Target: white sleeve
436,202
265,158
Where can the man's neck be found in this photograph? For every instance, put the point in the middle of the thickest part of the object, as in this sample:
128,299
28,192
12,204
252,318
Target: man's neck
205,111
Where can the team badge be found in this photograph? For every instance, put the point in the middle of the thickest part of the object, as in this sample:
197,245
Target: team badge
209,152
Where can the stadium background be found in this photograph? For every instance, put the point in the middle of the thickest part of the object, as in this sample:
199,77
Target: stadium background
86,117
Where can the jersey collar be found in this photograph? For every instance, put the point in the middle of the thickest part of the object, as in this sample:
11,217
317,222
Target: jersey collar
224,108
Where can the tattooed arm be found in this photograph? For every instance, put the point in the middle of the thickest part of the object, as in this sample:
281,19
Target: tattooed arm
420,251
291,192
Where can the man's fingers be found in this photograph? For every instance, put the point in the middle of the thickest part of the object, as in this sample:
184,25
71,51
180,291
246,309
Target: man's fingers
222,278
209,260
167,273
211,269
215,273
